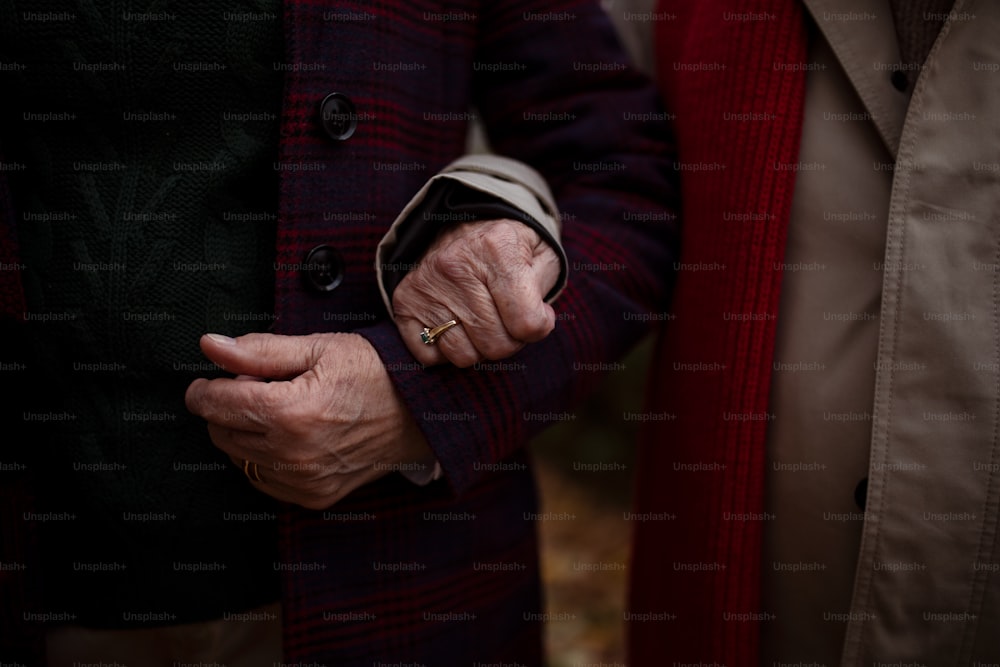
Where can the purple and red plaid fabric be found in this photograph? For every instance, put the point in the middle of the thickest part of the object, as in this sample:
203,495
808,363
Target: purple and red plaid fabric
399,573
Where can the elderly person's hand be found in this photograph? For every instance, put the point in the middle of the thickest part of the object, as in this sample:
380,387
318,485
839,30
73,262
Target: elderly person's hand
492,277
328,422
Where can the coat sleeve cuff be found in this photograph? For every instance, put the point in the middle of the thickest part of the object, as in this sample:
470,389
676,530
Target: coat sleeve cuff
446,420
474,187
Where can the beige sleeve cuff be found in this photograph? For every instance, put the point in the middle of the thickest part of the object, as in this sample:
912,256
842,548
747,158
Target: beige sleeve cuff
507,180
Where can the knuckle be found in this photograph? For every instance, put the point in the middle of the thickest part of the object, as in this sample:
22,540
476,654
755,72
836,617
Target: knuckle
452,266
411,305
493,343
532,327
499,231
502,243
404,296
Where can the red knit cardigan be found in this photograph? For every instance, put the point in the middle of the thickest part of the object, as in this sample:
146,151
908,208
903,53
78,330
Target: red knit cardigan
732,72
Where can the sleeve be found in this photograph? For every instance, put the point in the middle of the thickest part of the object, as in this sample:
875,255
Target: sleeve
474,187
556,92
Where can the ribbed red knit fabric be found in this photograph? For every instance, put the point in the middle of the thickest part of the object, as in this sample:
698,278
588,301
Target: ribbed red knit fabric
733,74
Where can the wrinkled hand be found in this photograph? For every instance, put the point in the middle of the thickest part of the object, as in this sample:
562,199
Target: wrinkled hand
492,277
329,423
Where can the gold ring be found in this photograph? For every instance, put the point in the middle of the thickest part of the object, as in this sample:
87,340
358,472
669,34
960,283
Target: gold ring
429,336
252,471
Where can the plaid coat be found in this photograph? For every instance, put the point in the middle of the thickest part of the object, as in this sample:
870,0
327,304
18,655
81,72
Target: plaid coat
385,576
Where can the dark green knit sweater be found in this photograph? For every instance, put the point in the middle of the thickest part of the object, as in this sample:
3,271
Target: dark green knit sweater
147,217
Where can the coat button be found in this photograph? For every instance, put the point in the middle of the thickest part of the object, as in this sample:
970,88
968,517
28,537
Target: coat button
338,116
323,269
899,80
861,493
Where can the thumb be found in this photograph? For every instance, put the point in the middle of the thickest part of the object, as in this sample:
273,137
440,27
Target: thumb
260,355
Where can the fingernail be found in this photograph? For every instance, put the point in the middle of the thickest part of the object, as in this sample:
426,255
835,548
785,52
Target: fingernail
222,340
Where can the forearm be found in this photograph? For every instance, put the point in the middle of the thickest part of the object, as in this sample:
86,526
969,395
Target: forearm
475,417
613,180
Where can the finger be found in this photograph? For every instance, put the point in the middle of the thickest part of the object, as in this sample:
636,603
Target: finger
326,492
455,280
460,351
424,299
519,289
252,470
527,321
482,335
456,346
238,404
410,330
243,445
266,478
309,492
262,355
546,266
268,485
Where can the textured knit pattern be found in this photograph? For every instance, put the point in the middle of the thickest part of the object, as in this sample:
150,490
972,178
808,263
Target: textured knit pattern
918,23
701,475
381,576
144,242
11,292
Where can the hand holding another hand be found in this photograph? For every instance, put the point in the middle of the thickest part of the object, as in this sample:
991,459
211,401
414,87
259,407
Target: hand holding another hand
329,422
490,276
